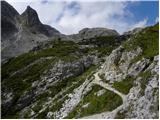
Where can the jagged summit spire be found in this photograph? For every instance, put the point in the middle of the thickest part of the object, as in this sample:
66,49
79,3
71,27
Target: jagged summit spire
30,16
29,8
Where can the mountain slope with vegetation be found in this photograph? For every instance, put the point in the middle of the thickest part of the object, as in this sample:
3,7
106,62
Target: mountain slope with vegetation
82,76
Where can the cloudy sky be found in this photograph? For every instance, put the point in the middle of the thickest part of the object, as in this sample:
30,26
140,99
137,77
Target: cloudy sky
70,16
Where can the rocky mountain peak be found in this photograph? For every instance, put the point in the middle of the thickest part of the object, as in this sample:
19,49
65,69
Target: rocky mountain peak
89,33
21,33
30,17
29,8
7,10
98,31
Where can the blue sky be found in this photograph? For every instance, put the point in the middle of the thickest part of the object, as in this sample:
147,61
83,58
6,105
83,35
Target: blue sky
70,16
143,9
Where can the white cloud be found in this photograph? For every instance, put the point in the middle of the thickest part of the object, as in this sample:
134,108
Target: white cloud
69,19
157,19
142,24
95,14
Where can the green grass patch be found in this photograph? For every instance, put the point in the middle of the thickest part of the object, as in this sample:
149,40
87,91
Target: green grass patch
21,82
28,76
125,85
147,39
144,81
103,45
102,51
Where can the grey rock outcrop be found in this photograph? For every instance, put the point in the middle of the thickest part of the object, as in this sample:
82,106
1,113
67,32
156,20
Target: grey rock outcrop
116,67
62,70
95,32
136,68
73,100
144,105
88,33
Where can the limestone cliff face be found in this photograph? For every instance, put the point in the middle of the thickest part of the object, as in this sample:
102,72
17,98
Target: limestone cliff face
117,64
140,101
129,67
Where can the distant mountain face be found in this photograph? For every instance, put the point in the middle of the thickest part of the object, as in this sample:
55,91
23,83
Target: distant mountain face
95,32
21,33
89,33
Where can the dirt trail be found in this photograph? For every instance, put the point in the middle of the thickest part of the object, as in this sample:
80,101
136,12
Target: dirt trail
98,81
106,115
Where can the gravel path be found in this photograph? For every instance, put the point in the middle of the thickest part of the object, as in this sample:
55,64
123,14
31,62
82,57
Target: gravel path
106,115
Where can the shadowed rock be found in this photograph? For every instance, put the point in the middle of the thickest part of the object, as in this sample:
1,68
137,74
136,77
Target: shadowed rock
8,19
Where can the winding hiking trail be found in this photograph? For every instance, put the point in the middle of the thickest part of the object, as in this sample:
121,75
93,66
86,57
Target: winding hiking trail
110,114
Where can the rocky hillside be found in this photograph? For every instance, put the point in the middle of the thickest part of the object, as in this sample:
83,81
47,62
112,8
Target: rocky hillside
99,74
